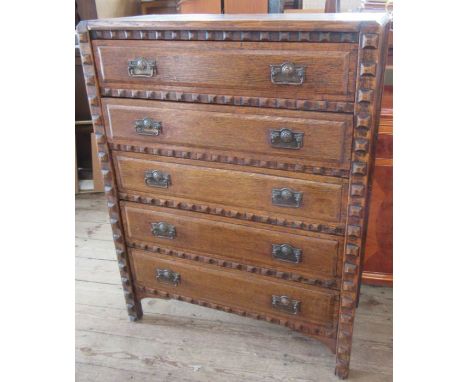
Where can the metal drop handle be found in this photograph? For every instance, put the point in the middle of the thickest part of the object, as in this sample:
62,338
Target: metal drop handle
286,252
156,178
286,139
286,304
141,67
148,126
285,197
168,276
163,229
287,73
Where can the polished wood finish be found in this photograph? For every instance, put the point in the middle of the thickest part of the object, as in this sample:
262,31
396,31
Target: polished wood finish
378,259
228,196
174,330
326,141
242,242
318,309
322,199
183,65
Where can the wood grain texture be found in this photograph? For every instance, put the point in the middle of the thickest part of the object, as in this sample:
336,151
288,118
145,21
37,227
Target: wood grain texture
241,243
236,158
244,132
208,86
223,210
209,285
164,344
224,184
182,66
325,22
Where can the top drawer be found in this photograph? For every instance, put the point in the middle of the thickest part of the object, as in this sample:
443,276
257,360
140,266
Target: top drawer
318,71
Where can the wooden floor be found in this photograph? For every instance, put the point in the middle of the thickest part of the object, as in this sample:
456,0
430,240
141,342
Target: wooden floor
177,341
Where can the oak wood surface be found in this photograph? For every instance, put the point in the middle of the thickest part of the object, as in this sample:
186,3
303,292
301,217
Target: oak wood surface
208,283
231,185
340,22
244,243
108,348
350,207
234,68
326,140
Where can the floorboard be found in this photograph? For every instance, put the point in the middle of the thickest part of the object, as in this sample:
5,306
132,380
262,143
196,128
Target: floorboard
176,341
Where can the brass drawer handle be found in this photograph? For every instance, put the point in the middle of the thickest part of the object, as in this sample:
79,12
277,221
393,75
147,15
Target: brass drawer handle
141,67
156,178
285,304
163,229
287,73
167,276
148,126
286,252
285,197
286,139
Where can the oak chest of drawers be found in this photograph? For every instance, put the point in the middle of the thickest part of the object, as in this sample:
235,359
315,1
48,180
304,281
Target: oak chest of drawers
237,153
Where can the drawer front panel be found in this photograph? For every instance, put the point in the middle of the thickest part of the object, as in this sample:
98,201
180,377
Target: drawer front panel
310,256
235,288
225,184
304,137
231,68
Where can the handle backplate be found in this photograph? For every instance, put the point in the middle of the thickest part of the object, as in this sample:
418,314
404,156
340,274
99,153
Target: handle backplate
168,276
287,73
156,178
285,197
141,67
286,139
148,126
285,304
286,252
163,229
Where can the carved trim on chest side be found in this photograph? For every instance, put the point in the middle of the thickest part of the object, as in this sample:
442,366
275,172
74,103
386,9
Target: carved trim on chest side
372,52
110,187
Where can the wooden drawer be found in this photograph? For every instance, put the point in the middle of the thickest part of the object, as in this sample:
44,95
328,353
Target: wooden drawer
310,255
231,68
236,289
318,139
322,197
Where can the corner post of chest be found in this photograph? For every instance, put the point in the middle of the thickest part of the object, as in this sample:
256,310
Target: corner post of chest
133,304
370,69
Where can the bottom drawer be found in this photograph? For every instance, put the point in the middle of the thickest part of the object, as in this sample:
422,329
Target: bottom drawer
279,299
